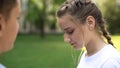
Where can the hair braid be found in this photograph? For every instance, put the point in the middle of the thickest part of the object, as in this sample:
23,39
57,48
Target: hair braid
106,33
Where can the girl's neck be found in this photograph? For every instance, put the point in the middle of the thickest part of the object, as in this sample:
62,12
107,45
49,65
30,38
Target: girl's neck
95,45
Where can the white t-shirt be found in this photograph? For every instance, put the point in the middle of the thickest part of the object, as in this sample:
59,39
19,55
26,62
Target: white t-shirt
107,57
2,66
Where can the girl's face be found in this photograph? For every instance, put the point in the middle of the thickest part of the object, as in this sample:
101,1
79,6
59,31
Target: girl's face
73,31
9,28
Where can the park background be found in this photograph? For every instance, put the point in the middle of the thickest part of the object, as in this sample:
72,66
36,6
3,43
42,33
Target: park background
40,41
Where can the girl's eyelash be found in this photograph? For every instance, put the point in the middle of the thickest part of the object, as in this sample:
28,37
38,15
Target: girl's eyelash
70,32
18,18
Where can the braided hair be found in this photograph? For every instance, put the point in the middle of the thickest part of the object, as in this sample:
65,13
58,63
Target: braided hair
81,9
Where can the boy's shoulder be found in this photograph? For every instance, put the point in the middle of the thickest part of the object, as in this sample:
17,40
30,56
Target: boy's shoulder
2,66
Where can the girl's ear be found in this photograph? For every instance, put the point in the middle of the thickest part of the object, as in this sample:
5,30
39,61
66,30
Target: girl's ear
90,21
2,21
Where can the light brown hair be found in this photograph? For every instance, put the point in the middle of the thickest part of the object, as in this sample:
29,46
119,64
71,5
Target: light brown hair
81,9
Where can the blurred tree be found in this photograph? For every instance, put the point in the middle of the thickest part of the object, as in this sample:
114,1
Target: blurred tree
37,14
42,12
53,6
112,15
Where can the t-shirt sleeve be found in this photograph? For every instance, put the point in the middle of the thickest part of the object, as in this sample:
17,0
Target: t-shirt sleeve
111,63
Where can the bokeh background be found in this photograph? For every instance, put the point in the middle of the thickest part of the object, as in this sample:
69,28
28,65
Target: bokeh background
40,41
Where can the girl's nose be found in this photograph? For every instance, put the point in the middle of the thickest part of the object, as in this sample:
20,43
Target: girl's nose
66,39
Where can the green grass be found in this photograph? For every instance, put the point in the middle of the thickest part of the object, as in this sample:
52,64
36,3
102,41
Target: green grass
30,51
116,41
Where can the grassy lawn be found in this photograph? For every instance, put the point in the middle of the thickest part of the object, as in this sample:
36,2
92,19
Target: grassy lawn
116,41
30,51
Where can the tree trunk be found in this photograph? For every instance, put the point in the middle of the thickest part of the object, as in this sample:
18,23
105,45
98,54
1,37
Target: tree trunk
42,31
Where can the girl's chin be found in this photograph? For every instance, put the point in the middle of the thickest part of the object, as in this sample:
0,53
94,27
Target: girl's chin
77,47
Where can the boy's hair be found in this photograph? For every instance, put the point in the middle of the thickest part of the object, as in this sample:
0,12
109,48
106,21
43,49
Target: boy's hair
6,6
81,9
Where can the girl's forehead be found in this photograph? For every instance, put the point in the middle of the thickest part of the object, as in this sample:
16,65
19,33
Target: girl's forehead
66,22
66,18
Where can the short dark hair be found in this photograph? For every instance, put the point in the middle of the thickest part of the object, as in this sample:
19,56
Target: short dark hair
6,6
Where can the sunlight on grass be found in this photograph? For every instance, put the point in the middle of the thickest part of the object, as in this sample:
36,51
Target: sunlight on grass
116,41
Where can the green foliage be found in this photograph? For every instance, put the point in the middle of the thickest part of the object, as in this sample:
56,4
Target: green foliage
112,14
35,12
57,4
42,12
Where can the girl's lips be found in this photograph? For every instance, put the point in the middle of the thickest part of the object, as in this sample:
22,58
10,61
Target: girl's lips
73,44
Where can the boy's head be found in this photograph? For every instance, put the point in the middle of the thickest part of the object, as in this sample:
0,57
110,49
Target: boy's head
9,14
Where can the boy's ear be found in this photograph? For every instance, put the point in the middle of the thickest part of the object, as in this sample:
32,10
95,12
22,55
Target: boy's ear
90,22
1,24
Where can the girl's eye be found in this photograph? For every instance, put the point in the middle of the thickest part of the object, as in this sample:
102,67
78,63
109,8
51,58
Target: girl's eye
70,32
18,18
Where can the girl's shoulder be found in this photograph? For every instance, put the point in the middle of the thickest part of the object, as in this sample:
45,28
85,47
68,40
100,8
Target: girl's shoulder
111,58
113,62
111,52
